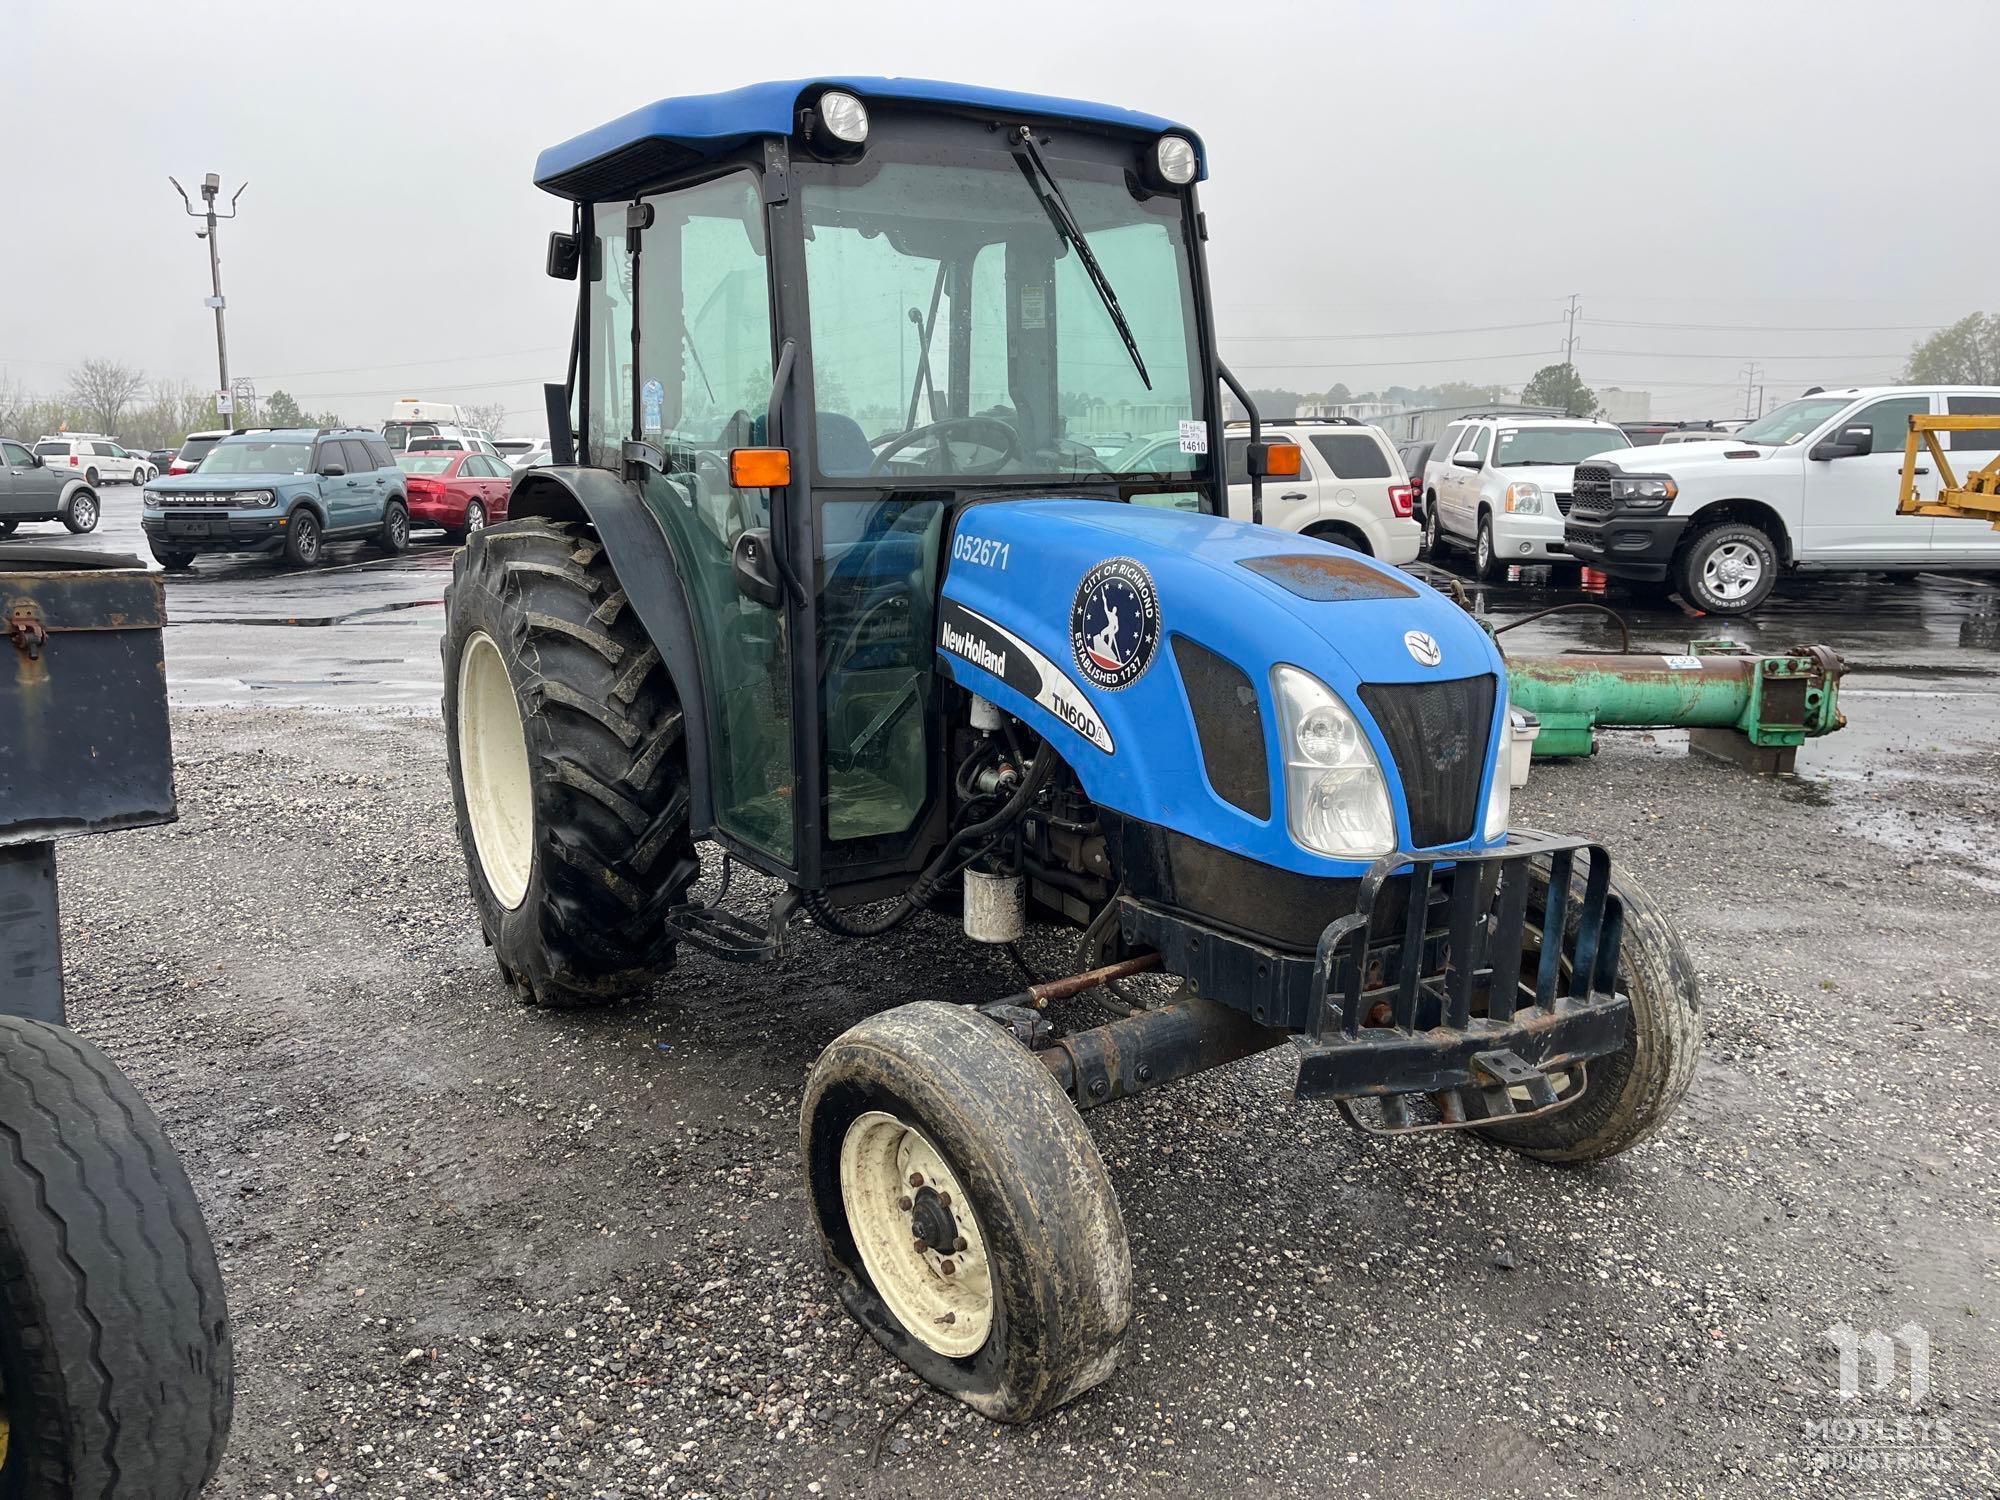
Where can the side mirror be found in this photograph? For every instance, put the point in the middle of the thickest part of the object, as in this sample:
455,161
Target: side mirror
40,462
1466,458
332,471
564,256
1857,441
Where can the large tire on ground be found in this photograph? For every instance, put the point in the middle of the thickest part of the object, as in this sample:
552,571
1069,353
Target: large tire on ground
1486,564
305,543
1728,569
114,1335
394,537
928,1123
81,511
568,773
1631,1092
7,528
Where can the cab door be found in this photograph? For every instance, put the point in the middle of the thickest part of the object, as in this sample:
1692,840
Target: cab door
699,290
1850,503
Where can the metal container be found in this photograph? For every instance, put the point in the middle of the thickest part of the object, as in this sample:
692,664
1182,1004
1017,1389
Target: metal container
84,743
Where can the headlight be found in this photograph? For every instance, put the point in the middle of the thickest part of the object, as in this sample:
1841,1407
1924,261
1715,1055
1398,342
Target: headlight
1524,497
150,499
844,116
254,498
1499,800
1644,491
1174,157
1336,799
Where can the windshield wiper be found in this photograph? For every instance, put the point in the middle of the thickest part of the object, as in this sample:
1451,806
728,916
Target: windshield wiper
1056,205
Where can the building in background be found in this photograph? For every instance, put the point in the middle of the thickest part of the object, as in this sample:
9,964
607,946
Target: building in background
1617,405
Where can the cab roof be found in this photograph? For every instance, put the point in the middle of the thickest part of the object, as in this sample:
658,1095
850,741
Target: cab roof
624,154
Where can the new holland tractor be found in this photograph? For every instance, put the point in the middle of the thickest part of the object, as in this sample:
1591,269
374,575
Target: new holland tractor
860,560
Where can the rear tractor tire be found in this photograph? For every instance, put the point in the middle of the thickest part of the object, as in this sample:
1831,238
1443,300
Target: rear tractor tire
967,1218
1629,1093
568,772
114,1334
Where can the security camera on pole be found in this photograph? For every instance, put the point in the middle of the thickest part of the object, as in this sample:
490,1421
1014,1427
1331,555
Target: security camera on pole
211,186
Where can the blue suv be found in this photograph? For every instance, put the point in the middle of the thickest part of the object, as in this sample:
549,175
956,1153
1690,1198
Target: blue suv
281,489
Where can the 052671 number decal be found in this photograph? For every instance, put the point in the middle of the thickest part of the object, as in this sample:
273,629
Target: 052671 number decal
978,551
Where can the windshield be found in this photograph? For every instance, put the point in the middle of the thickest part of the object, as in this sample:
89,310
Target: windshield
425,463
439,445
955,331
257,457
1555,445
1789,422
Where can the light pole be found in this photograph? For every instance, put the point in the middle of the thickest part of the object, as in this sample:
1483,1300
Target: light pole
211,186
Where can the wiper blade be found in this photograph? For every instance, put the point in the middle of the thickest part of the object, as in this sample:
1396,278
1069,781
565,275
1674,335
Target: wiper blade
1063,217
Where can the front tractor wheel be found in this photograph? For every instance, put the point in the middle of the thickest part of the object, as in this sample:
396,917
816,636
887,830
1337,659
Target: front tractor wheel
963,1208
1630,1093
569,779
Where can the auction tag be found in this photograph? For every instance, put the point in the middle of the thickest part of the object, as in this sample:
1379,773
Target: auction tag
1194,437
1683,663
1034,307
652,397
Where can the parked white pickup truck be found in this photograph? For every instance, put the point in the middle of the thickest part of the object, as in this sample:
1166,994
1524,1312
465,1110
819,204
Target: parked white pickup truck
1811,486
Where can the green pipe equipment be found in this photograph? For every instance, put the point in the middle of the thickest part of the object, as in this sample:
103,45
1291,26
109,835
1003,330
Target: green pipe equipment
1753,710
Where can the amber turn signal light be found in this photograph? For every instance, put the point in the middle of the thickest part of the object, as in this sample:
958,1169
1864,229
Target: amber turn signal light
761,468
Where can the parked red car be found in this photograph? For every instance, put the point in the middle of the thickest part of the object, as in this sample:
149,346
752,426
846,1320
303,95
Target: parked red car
461,492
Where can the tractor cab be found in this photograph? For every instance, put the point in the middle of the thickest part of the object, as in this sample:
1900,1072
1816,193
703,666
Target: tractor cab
815,322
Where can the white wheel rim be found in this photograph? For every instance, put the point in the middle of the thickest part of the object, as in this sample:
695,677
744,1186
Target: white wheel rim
1732,570
86,513
949,1313
493,768
475,517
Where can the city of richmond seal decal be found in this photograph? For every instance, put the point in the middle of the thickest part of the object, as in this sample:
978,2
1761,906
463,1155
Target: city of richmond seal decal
1114,626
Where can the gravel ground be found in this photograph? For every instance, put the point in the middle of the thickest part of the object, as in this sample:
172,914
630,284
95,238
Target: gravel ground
478,1250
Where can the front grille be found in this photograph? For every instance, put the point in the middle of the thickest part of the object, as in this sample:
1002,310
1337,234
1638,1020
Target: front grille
1563,502
1591,488
1437,734
182,498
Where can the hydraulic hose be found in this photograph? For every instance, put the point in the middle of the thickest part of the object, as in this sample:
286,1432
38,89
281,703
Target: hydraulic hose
919,893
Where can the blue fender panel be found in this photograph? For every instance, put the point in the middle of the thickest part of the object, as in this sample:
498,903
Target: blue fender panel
644,562
1005,632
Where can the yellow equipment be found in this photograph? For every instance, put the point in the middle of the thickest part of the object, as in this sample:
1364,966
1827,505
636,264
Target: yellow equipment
1976,497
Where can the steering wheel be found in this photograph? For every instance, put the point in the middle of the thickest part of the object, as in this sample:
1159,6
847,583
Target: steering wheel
944,460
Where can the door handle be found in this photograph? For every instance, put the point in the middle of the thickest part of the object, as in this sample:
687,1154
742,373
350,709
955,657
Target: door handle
1921,472
1293,495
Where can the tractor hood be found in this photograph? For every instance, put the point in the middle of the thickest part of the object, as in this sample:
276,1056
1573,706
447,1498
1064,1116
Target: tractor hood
1141,642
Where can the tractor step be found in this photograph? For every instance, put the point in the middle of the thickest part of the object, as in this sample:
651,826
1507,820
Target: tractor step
717,930
1505,1087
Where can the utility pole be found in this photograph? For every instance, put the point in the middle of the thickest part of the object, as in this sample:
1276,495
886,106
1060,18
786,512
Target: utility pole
211,187
1569,335
1750,372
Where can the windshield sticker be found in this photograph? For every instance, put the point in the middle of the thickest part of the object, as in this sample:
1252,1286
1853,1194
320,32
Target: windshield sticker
1114,625
652,399
1034,307
992,648
1194,437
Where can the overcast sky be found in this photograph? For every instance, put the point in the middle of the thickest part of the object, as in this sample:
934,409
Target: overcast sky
1392,186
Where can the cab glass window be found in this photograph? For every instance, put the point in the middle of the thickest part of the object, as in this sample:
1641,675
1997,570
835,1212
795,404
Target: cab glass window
1982,440
14,453
1352,455
1890,421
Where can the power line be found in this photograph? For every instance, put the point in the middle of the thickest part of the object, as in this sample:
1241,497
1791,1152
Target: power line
1420,333
1772,327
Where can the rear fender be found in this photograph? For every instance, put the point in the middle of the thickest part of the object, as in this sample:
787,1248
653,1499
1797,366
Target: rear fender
644,561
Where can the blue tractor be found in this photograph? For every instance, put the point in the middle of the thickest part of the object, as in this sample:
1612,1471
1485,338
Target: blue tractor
861,558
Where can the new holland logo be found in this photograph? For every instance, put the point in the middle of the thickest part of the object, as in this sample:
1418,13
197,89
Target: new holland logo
1423,648
1114,625
974,649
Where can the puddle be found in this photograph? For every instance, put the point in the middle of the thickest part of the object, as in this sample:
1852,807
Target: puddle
314,620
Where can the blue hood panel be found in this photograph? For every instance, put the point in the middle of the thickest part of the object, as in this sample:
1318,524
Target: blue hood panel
1013,586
